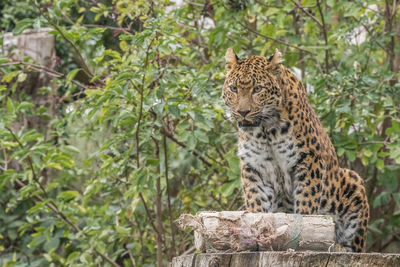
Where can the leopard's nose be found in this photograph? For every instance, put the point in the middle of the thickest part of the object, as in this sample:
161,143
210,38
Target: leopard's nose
243,112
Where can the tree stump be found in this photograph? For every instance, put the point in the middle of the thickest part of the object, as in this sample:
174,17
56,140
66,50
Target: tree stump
289,259
241,239
36,82
230,231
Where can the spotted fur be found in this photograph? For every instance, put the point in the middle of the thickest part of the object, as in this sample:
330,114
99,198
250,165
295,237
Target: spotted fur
288,163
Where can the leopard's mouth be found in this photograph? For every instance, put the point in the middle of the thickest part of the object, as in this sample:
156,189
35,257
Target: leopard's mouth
246,123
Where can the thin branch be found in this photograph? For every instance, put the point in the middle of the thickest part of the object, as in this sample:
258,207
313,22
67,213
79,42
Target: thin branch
35,178
45,69
5,159
165,132
168,196
194,3
324,32
104,256
190,250
51,204
141,91
108,27
276,40
148,212
238,194
54,208
131,257
85,68
394,9
370,33
385,143
308,13
159,207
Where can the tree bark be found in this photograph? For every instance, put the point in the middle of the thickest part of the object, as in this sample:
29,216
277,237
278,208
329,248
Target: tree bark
241,231
292,259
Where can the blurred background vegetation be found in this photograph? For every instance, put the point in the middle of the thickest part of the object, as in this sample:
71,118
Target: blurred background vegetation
129,130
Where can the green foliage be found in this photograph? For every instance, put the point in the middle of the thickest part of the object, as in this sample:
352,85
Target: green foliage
139,135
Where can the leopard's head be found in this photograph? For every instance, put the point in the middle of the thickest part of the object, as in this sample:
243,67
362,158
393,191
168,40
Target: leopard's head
251,90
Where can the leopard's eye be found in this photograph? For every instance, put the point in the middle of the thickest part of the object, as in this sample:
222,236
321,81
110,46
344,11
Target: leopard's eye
233,89
257,89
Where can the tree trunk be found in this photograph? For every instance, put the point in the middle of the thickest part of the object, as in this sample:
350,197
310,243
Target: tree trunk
290,259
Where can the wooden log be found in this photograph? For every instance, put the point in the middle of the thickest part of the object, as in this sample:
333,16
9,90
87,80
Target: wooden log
229,231
289,259
38,45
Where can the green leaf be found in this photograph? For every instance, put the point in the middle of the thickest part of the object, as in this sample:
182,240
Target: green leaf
367,153
22,25
381,199
201,136
389,178
380,164
68,195
10,106
21,77
54,165
71,148
396,197
25,105
9,76
4,60
123,230
340,151
364,160
71,75
52,244
174,110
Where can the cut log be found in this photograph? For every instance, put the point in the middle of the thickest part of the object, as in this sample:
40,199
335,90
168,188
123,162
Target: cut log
38,45
230,231
289,259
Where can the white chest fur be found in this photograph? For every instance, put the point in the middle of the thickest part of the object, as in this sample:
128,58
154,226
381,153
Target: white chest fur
270,158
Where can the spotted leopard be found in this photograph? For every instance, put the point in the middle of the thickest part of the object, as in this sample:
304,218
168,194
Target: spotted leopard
288,163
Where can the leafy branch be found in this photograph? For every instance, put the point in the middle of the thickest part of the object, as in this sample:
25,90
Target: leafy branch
50,203
275,40
45,69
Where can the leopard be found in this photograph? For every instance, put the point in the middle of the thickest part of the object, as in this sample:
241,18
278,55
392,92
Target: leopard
287,160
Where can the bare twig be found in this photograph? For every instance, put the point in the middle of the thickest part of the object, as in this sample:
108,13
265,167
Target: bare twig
148,213
141,91
160,230
131,257
324,32
370,33
35,178
307,13
173,249
5,167
165,132
275,40
85,68
45,69
108,27
238,194
190,250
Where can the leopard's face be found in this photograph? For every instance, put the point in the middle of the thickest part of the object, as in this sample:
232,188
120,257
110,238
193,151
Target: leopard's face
251,91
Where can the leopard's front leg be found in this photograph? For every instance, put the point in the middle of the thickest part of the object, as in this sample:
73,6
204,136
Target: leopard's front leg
259,189
307,187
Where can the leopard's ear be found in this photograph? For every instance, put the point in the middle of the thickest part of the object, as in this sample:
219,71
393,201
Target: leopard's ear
276,58
231,59
275,62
